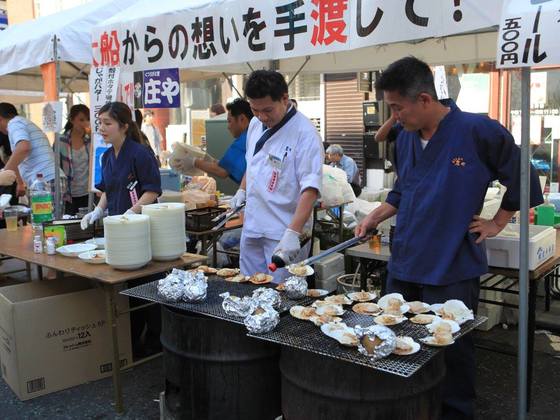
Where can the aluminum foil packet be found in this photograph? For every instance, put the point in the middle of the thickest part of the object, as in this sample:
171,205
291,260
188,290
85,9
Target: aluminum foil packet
296,287
195,286
171,287
236,306
263,319
267,296
376,341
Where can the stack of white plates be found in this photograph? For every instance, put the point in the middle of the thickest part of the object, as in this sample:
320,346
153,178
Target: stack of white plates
127,241
167,228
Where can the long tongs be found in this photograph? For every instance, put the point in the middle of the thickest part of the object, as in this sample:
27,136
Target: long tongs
226,217
340,247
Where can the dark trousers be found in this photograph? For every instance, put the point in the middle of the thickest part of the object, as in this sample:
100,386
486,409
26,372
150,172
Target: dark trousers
146,318
72,207
459,383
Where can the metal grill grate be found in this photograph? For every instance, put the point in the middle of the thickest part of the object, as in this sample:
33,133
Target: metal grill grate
305,335
212,306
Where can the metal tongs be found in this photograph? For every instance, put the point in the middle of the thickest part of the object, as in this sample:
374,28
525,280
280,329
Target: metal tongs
340,247
226,217
278,262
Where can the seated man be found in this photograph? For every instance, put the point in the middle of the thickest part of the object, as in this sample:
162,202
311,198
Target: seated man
233,163
337,158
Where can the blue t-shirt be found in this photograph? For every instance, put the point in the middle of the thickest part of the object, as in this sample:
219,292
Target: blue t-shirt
134,164
234,159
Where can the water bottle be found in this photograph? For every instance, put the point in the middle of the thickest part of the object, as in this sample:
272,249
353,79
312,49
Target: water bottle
41,204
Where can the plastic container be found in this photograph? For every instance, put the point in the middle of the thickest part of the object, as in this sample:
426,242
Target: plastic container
198,220
503,251
41,202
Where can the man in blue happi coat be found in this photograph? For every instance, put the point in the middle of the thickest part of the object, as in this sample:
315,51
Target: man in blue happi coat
446,159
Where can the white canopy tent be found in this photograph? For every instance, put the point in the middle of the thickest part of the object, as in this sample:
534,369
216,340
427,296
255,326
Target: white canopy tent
474,41
64,39
26,46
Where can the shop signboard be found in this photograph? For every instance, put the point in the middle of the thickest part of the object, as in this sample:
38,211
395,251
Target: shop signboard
528,34
225,32
103,88
158,88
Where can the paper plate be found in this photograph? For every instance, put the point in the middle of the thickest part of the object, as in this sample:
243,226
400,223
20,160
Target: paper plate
99,242
93,257
74,250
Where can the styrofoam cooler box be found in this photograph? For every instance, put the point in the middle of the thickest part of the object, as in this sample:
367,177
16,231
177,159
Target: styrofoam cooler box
329,266
492,312
328,283
503,250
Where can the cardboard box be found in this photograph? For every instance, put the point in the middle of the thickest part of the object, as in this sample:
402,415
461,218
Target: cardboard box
54,335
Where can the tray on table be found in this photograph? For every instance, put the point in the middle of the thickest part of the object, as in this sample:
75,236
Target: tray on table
212,305
304,335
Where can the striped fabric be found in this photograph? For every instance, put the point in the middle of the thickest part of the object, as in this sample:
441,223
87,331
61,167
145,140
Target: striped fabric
66,163
41,156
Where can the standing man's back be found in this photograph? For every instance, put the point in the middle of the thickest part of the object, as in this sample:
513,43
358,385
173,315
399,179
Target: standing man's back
31,151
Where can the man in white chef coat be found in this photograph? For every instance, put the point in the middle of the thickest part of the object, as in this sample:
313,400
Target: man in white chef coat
283,178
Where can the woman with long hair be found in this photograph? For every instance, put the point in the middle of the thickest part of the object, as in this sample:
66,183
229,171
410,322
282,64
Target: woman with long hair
130,175
74,158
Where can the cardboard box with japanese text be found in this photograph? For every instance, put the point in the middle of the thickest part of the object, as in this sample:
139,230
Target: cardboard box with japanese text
54,335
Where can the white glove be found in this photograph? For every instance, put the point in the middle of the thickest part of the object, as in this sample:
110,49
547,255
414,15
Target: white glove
184,164
5,200
129,211
288,246
91,217
7,177
238,199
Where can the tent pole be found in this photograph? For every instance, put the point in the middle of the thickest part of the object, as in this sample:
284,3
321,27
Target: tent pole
307,58
524,246
231,85
57,193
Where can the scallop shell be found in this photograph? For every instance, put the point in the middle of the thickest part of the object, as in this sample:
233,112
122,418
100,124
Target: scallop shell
362,296
388,320
406,346
338,300
422,319
301,270
319,320
332,310
240,278
384,303
227,272
456,310
260,278
367,308
341,333
303,312
431,341
315,293
454,325
417,307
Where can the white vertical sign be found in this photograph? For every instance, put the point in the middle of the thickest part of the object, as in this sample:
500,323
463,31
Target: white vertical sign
103,88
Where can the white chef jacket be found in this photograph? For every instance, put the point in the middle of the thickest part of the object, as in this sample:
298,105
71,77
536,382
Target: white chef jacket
295,155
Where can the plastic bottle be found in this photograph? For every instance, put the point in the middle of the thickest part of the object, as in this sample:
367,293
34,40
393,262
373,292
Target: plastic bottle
41,204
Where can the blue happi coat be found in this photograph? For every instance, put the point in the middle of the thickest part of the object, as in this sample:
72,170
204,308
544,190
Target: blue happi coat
439,190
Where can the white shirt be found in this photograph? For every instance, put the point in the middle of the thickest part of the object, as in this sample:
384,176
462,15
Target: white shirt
40,158
295,154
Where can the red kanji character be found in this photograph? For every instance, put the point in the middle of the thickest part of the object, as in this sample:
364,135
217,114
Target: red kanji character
95,47
330,15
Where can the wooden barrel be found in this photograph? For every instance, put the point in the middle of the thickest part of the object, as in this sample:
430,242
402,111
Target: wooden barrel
214,371
316,387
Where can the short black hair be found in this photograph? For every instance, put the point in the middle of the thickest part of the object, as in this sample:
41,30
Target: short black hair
238,107
7,110
263,83
409,77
